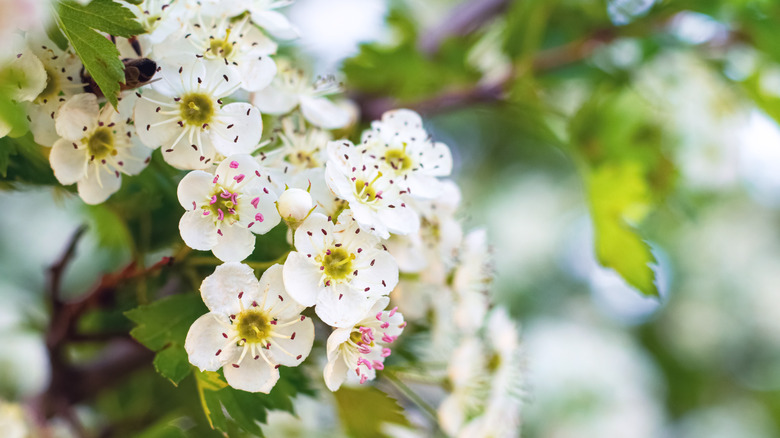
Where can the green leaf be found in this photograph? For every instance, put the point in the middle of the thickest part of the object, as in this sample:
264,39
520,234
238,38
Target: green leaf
162,326
23,161
55,35
100,56
363,410
619,196
245,410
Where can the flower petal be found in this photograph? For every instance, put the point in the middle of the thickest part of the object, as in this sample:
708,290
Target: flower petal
235,244
204,340
237,130
194,188
252,375
183,155
335,372
257,71
154,128
301,279
291,352
309,238
341,305
99,184
198,231
275,100
69,164
280,305
323,113
220,290
274,23
77,116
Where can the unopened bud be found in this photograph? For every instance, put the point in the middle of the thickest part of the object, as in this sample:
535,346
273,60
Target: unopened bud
294,206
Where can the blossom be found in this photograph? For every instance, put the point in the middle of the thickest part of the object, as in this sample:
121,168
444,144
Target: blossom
363,347
95,149
407,153
160,18
292,88
294,205
251,329
487,378
338,268
63,80
23,75
235,43
263,13
376,200
185,114
225,209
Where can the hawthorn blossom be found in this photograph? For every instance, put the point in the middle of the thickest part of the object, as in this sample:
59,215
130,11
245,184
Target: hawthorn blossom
356,353
376,200
294,205
63,80
24,77
95,149
292,88
471,281
407,153
160,18
235,43
184,114
338,268
226,208
251,329
487,379
262,12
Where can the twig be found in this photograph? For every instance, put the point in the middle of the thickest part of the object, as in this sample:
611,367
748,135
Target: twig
411,395
57,270
463,20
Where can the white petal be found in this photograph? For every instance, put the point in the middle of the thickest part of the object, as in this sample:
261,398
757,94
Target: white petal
235,244
252,375
301,279
437,160
342,306
183,156
69,164
400,220
309,238
42,122
220,290
324,113
78,113
231,167
99,184
194,189
262,219
237,130
401,119
204,340
384,269
179,74
335,372
278,302
274,100
31,76
291,352
275,23
151,125
134,157
198,231
257,71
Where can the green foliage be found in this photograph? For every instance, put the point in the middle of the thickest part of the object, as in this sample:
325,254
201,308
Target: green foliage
363,411
626,173
23,161
162,326
81,23
109,227
229,410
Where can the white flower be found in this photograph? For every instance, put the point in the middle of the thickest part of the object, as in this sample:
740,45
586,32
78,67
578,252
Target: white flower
407,153
471,281
23,73
432,251
185,115
95,149
160,18
238,43
225,209
339,268
263,14
376,200
294,205
252,328
487,380
63,80
292,88
356,353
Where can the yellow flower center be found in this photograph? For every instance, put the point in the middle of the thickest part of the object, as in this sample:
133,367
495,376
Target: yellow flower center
196,109
398,159
101,143
338,263
253,325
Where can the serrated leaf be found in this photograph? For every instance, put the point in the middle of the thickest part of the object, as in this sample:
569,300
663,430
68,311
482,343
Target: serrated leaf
162,326
363,411
172,363
619,197
99,55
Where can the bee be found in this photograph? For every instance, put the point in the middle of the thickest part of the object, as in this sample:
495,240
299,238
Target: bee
138,72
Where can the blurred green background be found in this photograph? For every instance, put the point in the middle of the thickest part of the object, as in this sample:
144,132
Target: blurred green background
575,124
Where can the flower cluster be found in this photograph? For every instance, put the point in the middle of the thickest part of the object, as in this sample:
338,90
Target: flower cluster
372,228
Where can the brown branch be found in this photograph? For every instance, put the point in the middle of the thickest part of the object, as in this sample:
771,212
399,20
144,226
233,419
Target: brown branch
463,20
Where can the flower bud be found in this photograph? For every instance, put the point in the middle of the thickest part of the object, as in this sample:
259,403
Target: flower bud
294,206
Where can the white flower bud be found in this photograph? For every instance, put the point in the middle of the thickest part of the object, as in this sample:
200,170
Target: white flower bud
294,205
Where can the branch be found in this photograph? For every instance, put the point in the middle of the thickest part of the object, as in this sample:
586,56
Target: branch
463,20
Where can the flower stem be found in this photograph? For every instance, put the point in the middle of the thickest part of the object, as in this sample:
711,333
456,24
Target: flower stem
411,395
